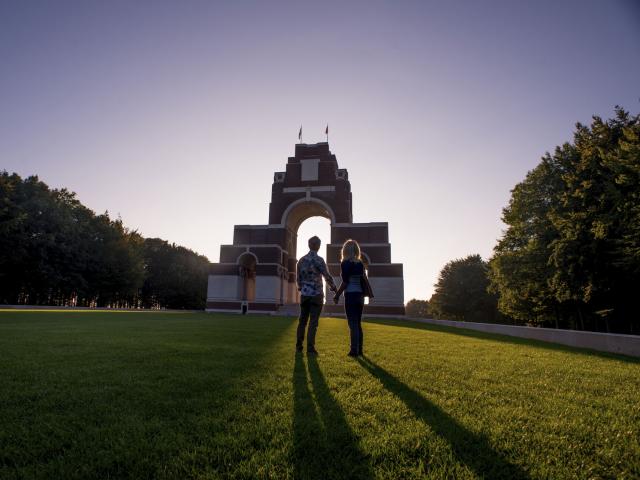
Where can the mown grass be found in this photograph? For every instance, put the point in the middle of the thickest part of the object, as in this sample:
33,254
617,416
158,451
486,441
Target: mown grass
166,395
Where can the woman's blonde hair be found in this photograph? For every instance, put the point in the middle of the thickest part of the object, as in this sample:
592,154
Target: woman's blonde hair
351,251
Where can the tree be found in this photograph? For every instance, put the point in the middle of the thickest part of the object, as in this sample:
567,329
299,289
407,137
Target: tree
570,254
519,271
417,308
461,292
176,277
55,251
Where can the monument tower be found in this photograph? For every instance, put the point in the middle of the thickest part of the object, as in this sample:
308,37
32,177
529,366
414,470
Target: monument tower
258,272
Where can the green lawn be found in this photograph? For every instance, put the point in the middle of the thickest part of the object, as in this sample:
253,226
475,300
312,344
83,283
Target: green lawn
167,395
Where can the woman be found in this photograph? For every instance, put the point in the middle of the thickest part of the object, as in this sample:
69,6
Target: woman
355,286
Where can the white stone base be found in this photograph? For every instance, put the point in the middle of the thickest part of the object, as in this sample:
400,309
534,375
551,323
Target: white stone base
224,288
268,289
387,291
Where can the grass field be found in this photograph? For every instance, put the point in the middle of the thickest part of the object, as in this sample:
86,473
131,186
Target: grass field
165,395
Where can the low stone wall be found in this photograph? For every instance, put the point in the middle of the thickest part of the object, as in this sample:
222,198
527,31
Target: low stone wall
604,342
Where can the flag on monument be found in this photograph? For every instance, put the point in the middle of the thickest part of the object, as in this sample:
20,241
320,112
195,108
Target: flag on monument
326,130
300,134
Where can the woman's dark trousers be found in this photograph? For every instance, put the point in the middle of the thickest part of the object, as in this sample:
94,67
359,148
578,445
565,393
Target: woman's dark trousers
353,305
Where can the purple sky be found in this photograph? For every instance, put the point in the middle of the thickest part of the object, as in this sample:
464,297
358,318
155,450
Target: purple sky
176,114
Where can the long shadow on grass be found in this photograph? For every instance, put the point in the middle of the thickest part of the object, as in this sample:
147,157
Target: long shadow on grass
465,332
472,449
324,446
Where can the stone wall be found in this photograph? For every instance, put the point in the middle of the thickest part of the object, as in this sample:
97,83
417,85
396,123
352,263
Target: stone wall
604,342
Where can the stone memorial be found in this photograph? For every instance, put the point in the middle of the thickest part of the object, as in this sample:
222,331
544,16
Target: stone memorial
257,273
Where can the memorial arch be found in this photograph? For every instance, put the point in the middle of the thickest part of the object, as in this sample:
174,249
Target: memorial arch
257,273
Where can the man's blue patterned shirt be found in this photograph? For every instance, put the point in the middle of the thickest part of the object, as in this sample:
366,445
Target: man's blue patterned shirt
311,269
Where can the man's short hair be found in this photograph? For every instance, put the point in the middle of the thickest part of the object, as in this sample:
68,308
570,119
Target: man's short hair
314,243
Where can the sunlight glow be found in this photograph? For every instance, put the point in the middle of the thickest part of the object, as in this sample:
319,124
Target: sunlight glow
318,226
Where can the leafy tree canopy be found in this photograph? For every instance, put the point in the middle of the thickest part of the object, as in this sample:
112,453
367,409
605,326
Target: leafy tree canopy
417,308
55,251
461,292
570,255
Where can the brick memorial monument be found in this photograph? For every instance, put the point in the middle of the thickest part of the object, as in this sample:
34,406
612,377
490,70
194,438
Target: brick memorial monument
257,274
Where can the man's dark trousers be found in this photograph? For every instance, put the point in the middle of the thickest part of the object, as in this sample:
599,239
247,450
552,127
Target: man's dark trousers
310,309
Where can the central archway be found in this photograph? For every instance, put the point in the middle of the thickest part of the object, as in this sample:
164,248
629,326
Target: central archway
300,212
247,268
302,209
313,226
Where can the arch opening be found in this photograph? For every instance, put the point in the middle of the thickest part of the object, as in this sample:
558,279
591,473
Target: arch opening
305,208
315,225
298,213
247,271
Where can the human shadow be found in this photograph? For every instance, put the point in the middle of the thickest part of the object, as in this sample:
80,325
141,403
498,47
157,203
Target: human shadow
472,449
324,445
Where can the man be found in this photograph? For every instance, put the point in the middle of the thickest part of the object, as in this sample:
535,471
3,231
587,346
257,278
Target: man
311,268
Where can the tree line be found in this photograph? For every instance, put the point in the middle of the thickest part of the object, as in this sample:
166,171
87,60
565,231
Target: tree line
55,251
570,255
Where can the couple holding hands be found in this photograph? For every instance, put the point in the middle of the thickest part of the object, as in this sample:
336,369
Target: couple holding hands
355,286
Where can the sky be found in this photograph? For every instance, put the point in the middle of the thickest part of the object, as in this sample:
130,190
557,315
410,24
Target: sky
174,115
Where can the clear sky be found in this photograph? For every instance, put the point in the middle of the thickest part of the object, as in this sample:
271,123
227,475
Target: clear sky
175,115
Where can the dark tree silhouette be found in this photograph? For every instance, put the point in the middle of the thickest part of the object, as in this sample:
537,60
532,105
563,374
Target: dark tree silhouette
417,308
461,292
55,251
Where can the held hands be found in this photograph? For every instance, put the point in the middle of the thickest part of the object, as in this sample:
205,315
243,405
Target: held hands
336,297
